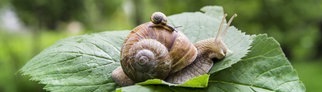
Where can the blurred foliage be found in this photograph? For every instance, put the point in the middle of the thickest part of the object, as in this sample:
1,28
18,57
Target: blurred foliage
296,24
49,13
15,51
310,75
46,13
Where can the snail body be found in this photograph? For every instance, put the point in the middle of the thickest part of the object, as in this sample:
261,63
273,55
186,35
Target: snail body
156,50
208,49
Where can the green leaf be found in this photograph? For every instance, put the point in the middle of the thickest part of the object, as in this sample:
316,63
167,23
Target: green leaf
264,69
81,63
145,88
213,11
196,82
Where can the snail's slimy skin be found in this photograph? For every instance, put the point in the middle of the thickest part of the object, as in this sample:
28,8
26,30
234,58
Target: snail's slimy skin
207,50
121,78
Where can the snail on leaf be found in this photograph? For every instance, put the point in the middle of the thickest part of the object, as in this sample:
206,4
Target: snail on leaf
156,50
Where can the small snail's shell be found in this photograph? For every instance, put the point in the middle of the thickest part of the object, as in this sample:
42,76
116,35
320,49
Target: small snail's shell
158,18
155,52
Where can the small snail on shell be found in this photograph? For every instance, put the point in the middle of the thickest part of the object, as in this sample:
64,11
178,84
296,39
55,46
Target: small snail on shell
159,19
155,50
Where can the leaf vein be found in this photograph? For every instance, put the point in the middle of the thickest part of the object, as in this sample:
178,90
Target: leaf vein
270,70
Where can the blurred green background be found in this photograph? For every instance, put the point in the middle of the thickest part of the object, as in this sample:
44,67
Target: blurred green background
29,26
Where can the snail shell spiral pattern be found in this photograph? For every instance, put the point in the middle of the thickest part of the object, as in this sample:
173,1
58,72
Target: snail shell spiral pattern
155,52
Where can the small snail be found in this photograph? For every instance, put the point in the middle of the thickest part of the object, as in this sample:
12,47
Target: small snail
159,19
155,50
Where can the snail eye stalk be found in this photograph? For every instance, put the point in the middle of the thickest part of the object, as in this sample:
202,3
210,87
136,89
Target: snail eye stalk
220,33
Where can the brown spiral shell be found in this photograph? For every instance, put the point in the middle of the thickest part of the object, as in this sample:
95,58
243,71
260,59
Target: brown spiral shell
155,52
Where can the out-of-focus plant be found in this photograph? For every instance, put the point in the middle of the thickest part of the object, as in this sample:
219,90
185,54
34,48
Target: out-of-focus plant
48,14
15,50
294,23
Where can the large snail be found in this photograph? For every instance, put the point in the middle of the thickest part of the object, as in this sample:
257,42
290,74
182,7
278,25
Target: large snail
156,50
